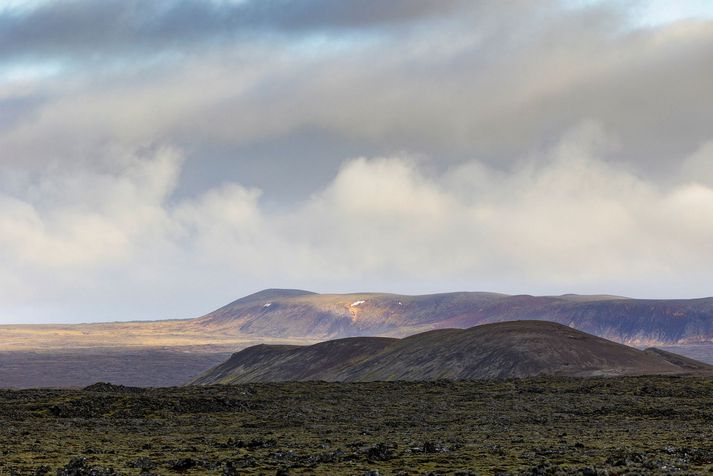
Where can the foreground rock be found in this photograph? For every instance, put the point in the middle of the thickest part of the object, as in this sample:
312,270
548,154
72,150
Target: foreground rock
595,426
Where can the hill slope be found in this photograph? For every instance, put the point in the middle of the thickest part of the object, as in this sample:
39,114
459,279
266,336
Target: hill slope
503,350
301,314
296,317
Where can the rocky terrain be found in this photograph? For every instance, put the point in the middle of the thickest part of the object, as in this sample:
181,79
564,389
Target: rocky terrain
542,426
502,350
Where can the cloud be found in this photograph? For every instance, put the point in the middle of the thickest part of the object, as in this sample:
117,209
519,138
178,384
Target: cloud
567,221
493,84
90,30
185,153
697,168
78,219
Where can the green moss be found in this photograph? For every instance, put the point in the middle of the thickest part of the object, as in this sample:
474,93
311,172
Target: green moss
623,425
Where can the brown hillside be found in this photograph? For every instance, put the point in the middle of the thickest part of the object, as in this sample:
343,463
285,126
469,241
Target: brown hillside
502,350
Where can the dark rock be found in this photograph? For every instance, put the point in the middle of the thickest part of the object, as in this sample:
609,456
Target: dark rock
257,443
142,463
229,469
79,467
246,462
183,464
381,452
106,387
430,447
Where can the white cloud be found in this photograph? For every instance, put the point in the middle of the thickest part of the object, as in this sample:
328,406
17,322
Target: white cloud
565,220
497,187
698,168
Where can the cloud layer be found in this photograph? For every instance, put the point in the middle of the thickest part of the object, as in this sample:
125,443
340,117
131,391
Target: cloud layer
97,29
159,161
566,221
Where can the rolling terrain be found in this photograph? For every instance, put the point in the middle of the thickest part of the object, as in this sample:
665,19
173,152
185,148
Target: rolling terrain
294,317
504,350
303,314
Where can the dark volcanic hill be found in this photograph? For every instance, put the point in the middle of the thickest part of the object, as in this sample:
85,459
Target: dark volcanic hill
504,350
302,314
40,355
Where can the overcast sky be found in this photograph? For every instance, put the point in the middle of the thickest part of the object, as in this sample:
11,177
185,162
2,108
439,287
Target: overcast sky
160,159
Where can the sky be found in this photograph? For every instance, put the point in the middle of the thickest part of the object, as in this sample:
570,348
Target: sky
160,159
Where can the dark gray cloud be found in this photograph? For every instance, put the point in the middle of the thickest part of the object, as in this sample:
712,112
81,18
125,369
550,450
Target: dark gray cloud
90,28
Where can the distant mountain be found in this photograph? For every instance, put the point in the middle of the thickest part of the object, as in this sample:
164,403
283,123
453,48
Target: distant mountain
301,314
76,354
503,350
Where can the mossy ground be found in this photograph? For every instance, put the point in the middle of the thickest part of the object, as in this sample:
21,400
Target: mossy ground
534,426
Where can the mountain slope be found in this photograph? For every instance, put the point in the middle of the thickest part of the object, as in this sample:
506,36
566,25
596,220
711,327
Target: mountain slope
300,314
297,317
680,360
502,350
324,361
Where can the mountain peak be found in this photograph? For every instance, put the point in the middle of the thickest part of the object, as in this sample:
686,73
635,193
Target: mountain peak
279,292
272,293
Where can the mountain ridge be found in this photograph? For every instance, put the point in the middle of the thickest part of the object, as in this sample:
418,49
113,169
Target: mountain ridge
302,314
299,317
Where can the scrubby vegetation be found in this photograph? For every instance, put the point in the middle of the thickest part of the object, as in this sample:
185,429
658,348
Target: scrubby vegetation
532,426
